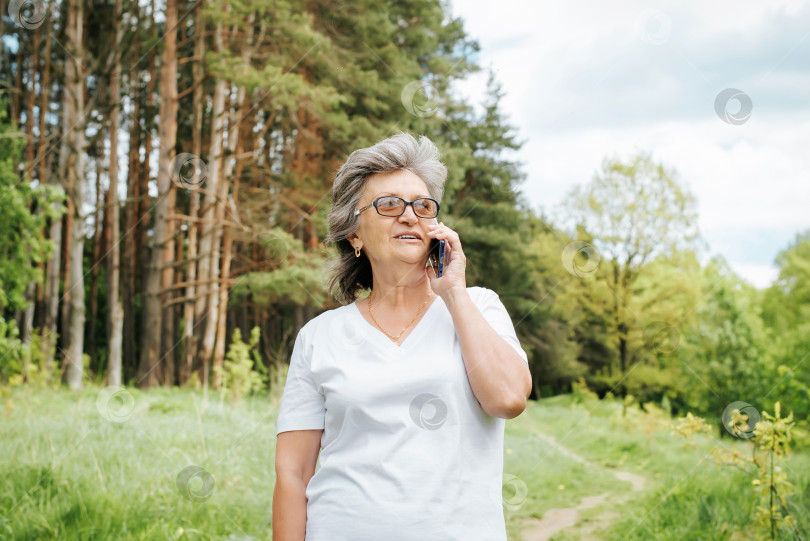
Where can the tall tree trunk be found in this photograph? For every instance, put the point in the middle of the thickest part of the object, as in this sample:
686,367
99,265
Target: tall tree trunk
142,284
129,269
15,100
227,241
238,116
27,319
73,148
116,309
100,227
51,294
168,141
29,106
67,240
175,308
160,272
206,309
189,337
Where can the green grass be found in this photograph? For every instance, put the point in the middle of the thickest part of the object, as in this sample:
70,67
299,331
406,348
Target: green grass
69,471
687,496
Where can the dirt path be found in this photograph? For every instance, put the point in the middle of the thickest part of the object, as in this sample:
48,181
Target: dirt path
556,520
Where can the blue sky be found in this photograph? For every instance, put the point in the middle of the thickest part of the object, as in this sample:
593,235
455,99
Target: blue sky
588,80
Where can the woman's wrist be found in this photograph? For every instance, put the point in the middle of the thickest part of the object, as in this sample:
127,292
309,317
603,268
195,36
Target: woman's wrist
454,295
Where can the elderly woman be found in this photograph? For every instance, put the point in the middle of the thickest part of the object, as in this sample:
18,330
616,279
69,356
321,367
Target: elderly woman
405,392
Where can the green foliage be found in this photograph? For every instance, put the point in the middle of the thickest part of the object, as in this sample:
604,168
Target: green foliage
239,379
581,393
22,244
768,446
36,370
12,352
636,209
724,350
638,218
26,363
24,212
787,301
786,313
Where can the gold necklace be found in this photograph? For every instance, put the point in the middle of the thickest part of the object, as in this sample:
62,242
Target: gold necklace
396,338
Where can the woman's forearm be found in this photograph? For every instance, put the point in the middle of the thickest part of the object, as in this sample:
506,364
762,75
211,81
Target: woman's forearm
289,508
499,377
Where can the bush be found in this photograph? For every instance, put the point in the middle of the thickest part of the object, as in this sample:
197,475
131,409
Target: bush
239,379
25,363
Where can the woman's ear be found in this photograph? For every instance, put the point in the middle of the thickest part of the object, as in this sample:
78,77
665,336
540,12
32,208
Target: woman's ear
353,240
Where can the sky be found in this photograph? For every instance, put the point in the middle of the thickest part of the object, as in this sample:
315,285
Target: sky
588,80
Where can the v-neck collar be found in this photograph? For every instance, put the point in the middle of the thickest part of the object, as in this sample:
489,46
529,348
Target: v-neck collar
379,338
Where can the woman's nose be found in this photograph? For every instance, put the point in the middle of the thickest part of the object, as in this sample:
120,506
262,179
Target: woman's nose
409,215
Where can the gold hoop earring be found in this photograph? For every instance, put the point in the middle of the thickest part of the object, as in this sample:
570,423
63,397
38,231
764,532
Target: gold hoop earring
356,251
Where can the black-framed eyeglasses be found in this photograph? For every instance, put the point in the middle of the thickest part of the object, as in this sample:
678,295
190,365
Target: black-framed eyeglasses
391,205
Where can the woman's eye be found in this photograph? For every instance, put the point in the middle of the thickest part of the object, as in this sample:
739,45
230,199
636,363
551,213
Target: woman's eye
426,206
388,203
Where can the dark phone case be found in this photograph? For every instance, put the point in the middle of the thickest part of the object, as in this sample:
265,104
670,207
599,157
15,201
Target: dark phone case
437,253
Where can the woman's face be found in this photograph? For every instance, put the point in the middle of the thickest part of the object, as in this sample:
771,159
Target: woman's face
378,233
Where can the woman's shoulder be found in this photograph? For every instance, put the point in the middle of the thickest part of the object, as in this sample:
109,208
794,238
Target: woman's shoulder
480,293
326,319
478,290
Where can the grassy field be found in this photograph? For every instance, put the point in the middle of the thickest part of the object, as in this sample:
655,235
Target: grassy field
686,494
167,464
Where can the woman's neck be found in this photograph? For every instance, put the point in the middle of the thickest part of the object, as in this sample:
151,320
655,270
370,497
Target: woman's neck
400,296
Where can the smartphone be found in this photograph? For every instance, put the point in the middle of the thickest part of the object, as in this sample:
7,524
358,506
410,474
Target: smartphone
438,253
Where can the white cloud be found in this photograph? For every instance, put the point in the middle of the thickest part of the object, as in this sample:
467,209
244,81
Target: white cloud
581,85
760,276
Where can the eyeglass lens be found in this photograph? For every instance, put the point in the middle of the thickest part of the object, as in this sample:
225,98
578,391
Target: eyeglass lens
394,206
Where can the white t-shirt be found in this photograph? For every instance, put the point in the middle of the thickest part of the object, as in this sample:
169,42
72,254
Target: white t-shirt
407,453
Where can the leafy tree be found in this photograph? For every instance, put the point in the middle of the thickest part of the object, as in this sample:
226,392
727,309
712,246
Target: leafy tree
786,313
787,302
24,212
723,352
665,297
635,210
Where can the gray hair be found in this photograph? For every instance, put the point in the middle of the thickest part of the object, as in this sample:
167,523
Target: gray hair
348,275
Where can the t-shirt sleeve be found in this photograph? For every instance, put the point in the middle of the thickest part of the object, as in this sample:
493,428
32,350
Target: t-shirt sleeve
496,315
302,404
